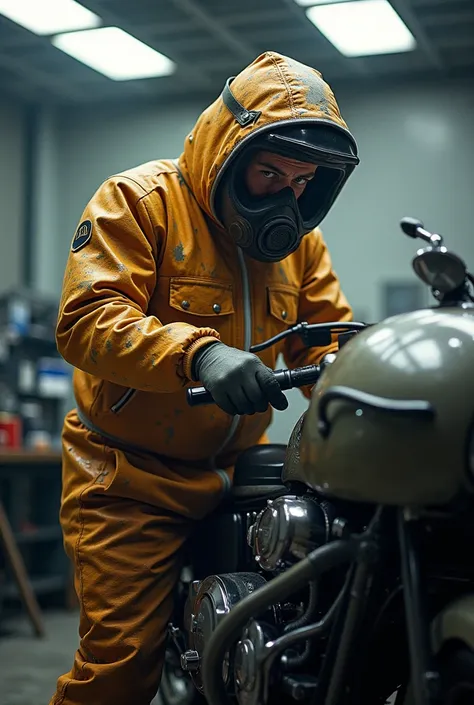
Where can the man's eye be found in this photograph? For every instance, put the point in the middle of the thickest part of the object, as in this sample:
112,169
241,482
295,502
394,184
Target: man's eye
301,180
268,174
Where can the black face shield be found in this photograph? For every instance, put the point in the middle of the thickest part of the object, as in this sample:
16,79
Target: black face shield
269,228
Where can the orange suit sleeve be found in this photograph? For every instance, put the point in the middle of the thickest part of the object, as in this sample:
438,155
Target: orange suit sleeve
103,327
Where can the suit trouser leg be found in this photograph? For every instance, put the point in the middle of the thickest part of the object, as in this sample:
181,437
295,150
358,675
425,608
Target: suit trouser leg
125,520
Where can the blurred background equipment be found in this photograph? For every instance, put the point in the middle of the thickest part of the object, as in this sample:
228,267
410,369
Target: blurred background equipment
34,379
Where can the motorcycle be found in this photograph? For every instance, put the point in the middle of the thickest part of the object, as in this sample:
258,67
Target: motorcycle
329,586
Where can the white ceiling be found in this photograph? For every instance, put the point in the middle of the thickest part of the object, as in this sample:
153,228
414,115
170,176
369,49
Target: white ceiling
213,39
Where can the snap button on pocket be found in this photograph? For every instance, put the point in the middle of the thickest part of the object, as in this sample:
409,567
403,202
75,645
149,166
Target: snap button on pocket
202,297
283,303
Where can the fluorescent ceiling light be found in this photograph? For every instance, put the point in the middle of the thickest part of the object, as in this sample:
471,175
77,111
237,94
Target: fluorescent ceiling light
49,16
114,53
362,27
309,3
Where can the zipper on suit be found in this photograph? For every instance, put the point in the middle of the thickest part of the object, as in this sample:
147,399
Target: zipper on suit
247,302
227,485
124,399
247,343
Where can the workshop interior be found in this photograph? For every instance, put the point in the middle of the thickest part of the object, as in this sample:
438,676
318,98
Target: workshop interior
92,88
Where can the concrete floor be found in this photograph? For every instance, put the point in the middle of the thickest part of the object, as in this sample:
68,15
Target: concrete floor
29,666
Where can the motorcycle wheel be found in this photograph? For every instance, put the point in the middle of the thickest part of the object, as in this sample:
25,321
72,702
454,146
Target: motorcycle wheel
176,687
456,669
457,676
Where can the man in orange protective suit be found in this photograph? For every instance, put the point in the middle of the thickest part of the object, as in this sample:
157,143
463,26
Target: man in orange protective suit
175,270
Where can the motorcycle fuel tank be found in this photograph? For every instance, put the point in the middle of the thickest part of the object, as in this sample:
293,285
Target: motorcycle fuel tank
391,420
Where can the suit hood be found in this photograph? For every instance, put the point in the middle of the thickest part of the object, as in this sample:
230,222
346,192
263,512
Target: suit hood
273,91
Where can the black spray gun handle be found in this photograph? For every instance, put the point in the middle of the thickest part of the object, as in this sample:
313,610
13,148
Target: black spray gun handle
287,379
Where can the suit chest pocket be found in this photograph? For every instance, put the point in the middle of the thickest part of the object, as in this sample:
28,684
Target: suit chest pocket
203,303
282,305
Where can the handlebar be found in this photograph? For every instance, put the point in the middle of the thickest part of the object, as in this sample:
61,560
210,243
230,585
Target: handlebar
287,379
312,335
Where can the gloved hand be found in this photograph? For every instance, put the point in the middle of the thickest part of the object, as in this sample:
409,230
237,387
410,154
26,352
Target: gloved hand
239,382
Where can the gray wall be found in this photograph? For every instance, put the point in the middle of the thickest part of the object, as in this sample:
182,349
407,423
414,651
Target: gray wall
11,194
417,158
47,197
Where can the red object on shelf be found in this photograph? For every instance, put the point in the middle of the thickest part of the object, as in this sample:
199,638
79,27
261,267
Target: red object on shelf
10,431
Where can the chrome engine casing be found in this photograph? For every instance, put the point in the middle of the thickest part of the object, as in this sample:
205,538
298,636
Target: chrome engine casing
208,602
249,677
289,528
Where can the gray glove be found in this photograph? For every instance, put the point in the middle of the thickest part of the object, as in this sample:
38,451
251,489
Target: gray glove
239,382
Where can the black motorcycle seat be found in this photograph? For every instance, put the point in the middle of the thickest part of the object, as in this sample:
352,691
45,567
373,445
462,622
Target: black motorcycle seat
260,466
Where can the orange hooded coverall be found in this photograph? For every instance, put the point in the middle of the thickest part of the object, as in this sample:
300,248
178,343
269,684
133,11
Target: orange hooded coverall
150,278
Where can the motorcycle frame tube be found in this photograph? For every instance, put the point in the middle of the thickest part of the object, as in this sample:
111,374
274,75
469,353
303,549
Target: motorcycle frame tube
424,677
366,562
280,588
309,631
332,647
331,681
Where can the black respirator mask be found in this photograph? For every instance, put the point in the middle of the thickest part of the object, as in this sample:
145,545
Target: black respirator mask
269,228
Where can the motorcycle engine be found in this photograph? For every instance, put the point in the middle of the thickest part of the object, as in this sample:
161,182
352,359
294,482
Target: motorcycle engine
208,602
289,528
283,532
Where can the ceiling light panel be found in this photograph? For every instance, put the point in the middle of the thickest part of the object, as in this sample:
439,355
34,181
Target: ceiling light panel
362,27
48,17
115,53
